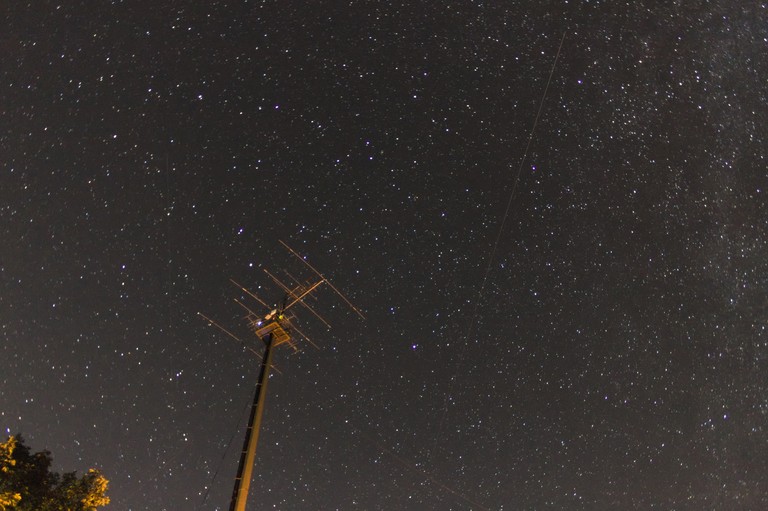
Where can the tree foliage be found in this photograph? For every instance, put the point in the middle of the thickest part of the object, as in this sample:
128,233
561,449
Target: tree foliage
27,483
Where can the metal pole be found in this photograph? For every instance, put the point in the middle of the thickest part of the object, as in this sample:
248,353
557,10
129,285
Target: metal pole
245,470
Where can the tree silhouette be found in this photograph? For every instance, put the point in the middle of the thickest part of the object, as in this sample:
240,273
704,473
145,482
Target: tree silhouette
27,483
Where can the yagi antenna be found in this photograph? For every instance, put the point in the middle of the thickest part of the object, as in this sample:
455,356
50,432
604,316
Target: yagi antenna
274,327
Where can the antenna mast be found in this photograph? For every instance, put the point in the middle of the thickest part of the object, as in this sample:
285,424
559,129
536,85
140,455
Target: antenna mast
273,328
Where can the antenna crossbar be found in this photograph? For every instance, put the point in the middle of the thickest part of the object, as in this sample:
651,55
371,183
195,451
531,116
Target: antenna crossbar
292,294
305,293
292,251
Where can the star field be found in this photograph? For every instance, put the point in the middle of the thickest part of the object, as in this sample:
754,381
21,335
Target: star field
615,358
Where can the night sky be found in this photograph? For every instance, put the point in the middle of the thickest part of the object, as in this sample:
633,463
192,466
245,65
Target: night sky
615,358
